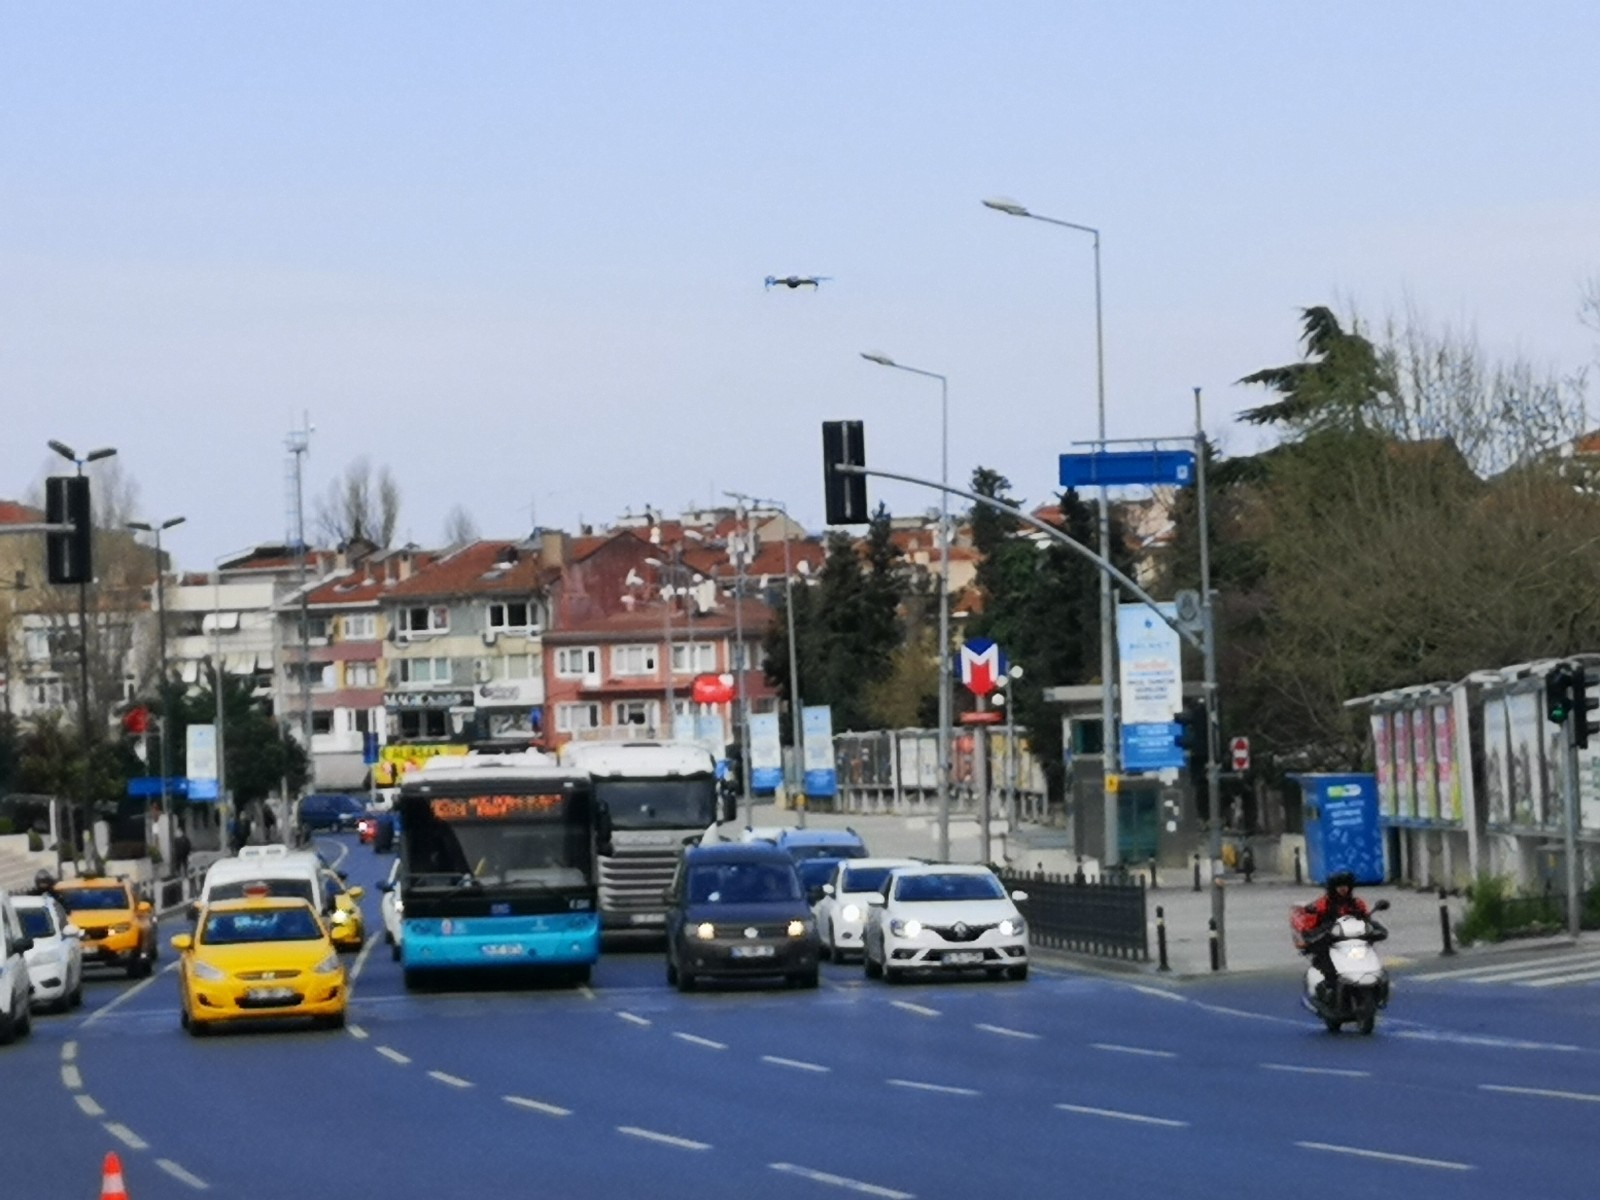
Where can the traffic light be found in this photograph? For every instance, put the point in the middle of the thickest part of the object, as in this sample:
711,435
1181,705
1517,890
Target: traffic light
1193,737
1582,705
68,556
844,442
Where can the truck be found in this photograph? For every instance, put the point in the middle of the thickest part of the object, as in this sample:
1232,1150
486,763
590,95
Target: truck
659,797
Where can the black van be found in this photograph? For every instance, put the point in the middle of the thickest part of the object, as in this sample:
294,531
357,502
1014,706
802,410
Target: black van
735,911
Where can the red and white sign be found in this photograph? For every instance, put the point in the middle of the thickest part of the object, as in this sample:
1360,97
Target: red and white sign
712,689
980,665
1239,750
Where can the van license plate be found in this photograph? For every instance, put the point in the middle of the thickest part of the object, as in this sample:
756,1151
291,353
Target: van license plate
752,951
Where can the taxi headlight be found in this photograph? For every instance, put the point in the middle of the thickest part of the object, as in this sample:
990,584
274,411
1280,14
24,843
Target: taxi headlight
1013,927
906,929
120,929
327,966
851,912
705,931
204,970
799,928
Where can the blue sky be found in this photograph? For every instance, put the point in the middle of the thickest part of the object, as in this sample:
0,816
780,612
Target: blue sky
515,251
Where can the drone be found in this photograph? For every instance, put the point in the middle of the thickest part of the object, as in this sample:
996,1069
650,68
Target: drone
796,281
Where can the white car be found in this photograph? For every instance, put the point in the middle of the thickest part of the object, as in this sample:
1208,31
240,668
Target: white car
392,910
945,918
55,962
16,1014
846,899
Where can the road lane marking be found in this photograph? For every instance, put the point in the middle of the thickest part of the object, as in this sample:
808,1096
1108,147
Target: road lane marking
359,965
1559,980
634,1018
586,991
665,1139
344,852
392,1055
1476,1039
943,1089
126,1136
1161,992
71,1077
1483,970
1299,1070
69,1051
1549,1093
123,997
796,1063
1226,1011
182,1176
1116,1049
454,1081
1013,1033
1412,1160
840,1181
1119,1115
1526,974
696,1040
921,1010
357,1032
539,1106
87,1103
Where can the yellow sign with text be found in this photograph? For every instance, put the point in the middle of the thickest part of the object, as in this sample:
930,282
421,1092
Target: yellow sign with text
395,762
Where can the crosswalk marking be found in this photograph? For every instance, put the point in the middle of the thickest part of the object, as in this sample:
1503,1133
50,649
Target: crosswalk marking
1551,971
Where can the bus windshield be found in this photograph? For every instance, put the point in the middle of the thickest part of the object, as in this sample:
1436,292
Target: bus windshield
659,803
467,842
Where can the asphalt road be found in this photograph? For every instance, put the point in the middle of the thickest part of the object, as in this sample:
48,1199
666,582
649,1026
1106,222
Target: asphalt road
1070,1083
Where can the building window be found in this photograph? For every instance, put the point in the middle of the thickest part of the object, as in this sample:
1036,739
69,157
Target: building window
296,674
693,658
358,627
513,616
634,712
316,629
46,693
740,654
633,660
425,618
418,671
577,662
507,666
361,674
416,726
575,718
322,722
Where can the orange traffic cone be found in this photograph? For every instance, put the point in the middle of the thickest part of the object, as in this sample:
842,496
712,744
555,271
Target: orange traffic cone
111,1185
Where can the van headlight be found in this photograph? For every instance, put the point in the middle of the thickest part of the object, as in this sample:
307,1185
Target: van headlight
851,912
799,928
705,931
907,929
327,966
205,971
1013,927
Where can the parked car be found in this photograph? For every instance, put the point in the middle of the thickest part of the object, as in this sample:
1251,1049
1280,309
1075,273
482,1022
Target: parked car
945,918
55,962
329,811
736,910
841,910
119,929
16,1013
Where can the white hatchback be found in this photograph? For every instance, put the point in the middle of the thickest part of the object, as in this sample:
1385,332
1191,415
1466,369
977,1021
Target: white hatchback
55,961
841,913
392,910
945,918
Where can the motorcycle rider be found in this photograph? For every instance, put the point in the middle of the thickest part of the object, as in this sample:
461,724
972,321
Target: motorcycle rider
44,884
1339,900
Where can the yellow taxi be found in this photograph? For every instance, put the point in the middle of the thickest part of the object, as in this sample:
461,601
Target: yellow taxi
119,929
345,924
259,958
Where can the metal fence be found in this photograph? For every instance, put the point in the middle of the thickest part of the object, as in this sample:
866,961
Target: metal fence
1087,916
897,771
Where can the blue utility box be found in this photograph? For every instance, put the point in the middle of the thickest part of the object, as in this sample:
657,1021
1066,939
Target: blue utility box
1341,826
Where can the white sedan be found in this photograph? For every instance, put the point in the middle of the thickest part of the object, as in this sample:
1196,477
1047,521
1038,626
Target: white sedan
945,918
55,964
392,910
841,913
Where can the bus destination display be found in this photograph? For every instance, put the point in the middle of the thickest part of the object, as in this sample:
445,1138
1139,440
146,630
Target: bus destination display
493,808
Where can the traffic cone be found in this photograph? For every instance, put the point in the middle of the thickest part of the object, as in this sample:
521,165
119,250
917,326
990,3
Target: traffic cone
111,1185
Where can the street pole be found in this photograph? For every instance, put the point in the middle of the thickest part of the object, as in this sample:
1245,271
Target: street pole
224,805
161,638
1570,831
299,443
742,731
1213,717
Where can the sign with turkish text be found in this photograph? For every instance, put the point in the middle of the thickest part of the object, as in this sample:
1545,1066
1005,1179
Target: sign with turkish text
200,753
1150,678
821,778
766,753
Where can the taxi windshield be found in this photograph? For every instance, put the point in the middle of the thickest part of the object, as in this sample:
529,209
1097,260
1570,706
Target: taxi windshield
260,925
93,898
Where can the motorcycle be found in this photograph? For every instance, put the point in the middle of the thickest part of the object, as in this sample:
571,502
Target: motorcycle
1360,984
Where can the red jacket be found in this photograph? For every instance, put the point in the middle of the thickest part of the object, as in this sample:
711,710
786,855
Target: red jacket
1325,908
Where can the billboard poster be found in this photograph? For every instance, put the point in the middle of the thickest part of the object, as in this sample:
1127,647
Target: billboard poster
1422,762
1383,761
1496,761
201,756
1405,789
1149,669
1553,778
816,721
1589,789
1444,760
1524,716
398,759
766,754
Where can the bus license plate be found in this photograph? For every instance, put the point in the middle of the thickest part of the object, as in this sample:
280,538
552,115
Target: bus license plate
504,950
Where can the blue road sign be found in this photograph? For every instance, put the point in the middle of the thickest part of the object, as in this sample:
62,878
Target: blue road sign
1125,468
1151,747
148,787
369,748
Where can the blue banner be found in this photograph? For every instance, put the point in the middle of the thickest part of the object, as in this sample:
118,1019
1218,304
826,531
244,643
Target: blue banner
148,787
821,779
766,754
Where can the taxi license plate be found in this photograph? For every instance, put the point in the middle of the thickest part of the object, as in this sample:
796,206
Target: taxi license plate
963,958
270,995
504,950
752,952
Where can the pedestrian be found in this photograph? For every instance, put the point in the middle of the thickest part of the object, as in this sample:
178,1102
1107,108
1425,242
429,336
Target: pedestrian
180,853
269,822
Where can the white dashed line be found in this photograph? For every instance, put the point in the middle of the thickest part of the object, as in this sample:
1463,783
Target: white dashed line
393,1055
634,1018
182,1176
1011,1033
357,1032
69,1051
665,1139
126,1136
1442,1164
1117,1115
71,1077
538,1106
852,1185
696,1040
921,1010
796,1063
1161,992
586,991
1476,1039
124,997
1547,1093
1339,1071
360,965
87,1103
1224,1010
1116,1049
943,1089
454,1081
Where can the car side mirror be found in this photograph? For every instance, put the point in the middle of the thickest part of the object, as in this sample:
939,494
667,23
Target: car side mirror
70,930
22,945
383,885
828,890
877,900
181,941
816,893
1381,906
144,908
1019,896
357,892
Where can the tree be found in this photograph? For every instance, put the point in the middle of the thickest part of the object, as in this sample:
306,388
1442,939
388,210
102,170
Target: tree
460,527
357,507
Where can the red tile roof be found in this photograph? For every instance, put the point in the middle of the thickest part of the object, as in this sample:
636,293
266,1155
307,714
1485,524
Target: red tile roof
479,568
13,512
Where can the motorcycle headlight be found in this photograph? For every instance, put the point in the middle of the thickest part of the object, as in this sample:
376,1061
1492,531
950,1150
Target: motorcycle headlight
204,970
799,928
327,966
340,916
1013,927
907,929
1359,951
705,931
851,912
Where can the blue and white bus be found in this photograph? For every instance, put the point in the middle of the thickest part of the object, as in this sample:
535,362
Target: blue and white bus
497,866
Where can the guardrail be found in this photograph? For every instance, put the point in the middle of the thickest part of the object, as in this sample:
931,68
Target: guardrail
1100,917
173,894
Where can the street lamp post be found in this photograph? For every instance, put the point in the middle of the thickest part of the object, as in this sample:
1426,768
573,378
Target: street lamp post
1111,748
670,587
739,664
161,637
883,360
84,815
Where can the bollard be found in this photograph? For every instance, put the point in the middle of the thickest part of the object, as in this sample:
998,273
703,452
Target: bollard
1247,862
1161,939
1216,958
1444,925
1298,878
1078,878
1155,881
1197,872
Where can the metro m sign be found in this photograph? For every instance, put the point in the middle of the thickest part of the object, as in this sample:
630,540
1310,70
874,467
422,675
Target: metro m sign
980,665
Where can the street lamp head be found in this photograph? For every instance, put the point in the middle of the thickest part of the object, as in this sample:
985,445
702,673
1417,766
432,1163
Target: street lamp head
1015,671
171,521
142,527
883,360
61,448
97,455
1006,205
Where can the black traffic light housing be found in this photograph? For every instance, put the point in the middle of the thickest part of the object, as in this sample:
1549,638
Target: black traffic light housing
1193,737
844,443
69,556
1567,698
